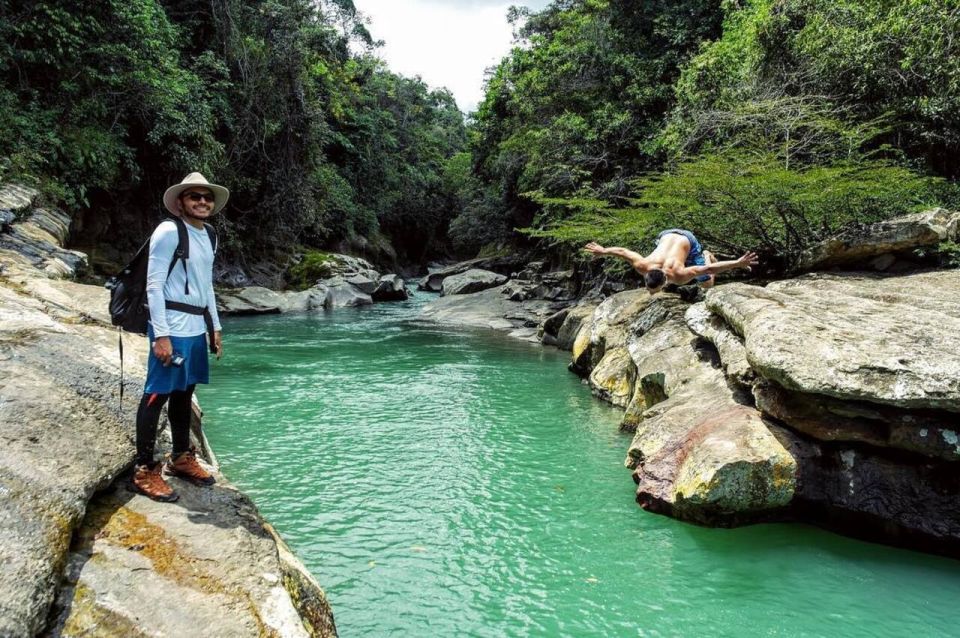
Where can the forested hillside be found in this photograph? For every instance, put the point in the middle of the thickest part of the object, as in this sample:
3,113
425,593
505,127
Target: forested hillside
760,124
105,103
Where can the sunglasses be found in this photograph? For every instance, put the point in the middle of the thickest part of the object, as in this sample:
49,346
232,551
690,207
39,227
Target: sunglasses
193,196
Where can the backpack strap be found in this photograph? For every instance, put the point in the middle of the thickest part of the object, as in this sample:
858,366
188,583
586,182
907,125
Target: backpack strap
212,234
182,253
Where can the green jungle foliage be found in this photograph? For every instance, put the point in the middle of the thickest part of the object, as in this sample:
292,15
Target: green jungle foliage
107,102
577,105
758,124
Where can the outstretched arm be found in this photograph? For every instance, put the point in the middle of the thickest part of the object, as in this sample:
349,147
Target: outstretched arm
634,259
689,272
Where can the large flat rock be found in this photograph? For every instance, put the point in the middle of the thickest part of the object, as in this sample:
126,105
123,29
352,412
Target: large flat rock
887,340
63,438
490,308
139,567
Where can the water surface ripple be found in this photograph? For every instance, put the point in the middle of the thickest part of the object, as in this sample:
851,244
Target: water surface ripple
454,483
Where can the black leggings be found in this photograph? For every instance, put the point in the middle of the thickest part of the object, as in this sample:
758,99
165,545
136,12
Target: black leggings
148,416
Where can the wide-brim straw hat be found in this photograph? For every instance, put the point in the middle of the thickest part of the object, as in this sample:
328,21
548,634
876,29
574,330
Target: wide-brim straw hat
220,194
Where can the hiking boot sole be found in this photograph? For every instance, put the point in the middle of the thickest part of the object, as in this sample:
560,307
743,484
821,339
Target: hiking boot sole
174,497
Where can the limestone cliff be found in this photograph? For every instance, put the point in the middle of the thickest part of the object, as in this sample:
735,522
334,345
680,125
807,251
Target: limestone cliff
831,397
135,567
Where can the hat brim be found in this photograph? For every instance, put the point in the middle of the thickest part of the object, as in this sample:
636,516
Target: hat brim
220,194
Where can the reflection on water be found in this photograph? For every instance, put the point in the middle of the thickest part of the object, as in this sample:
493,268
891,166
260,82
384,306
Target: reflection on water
444,482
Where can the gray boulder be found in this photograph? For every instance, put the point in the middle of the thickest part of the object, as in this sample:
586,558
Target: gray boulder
502,264
338,293
831,420
858,246
390,288
567,333
730,347
63,440
138,567
362,283
17,197
606,329
230,275
433,282
473,280
254,300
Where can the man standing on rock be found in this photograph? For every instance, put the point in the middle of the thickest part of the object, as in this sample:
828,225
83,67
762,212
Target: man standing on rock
182,311
677,259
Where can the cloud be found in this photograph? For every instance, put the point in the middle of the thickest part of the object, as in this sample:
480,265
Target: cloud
447,43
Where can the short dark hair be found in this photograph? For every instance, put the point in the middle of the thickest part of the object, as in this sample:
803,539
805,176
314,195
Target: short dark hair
654,279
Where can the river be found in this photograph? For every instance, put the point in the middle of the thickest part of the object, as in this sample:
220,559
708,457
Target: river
445,482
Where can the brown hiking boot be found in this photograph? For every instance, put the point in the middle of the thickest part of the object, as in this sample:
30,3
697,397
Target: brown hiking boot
185,466
149,482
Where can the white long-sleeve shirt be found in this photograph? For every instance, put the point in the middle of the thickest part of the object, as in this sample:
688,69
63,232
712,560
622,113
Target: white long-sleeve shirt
163,244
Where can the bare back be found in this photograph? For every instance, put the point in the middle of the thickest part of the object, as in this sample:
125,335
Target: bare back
670,255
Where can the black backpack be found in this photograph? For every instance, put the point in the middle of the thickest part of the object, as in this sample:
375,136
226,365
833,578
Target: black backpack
128,288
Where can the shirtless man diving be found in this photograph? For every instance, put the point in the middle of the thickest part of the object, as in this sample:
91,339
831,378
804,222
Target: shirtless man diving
677,259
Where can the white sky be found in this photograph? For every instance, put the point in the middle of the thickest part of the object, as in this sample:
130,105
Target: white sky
446,42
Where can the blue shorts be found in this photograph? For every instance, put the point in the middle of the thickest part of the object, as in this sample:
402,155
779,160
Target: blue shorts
695,257
195,369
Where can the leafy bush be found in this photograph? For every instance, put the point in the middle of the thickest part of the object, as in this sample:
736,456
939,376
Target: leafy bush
312,266
737,201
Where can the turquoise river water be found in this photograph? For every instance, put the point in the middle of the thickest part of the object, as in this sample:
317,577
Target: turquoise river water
443,482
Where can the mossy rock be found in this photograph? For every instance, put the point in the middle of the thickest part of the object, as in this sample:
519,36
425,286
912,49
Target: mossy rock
314,265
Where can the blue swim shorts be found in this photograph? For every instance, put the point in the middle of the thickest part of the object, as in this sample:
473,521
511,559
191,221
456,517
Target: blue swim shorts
695,257
195,369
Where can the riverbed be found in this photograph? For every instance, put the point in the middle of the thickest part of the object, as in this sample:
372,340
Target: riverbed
441,481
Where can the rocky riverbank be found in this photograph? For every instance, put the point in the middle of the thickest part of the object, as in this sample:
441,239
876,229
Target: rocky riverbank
346,282
831,397
79,554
